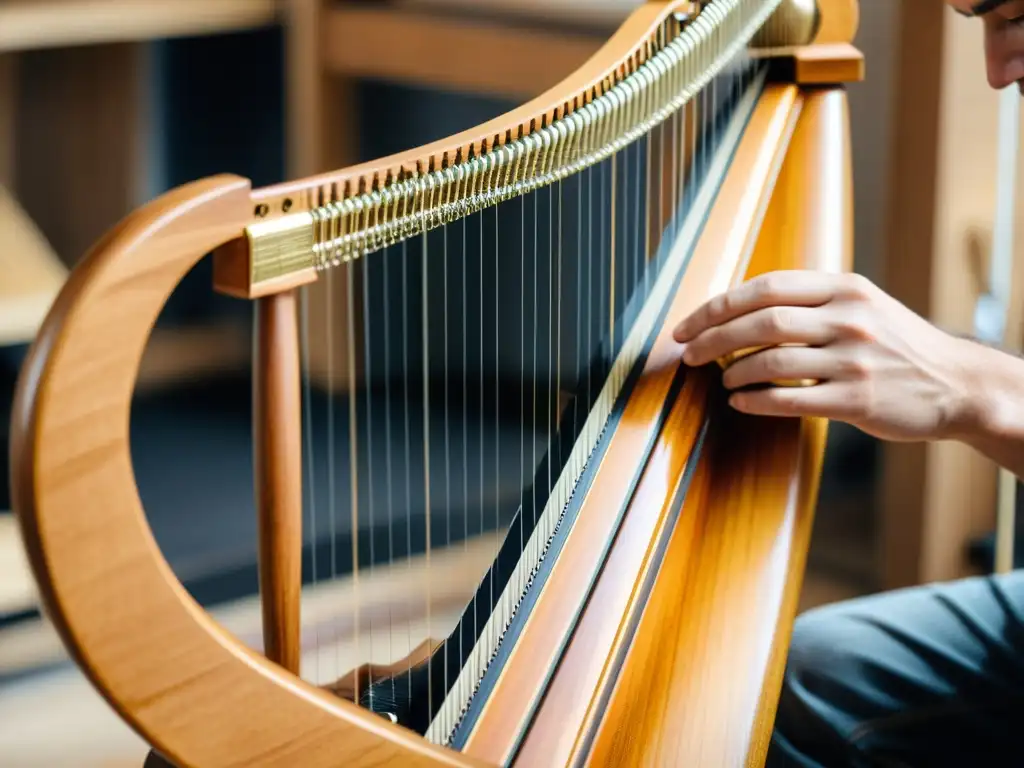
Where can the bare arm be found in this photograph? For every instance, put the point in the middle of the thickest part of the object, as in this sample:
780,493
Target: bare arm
881,367
994,420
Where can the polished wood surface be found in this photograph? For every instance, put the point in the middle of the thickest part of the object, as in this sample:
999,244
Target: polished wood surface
718,260
690,690
627,48
716,626
840,20
219,702
277,420
824,64
75,496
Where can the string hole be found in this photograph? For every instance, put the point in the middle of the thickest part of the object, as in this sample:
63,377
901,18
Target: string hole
262,210
286,205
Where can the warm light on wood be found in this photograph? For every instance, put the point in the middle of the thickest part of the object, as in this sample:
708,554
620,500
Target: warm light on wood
659,634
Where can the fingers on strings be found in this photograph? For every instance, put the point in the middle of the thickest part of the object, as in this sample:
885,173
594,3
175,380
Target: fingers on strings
776,289
762,327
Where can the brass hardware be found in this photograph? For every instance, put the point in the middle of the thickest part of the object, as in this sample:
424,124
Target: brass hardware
696,48
795,22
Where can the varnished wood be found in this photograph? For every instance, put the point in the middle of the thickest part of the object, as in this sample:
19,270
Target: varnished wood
820,64
623,51
840,20
808,224
691,687
725,245
220,703
74,495
717,624
828,64
277,420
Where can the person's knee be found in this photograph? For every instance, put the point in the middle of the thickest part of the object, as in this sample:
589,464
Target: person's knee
823,652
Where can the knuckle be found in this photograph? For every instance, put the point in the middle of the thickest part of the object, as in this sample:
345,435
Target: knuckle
719,305
781,361
857,287
767,287
857,324
778,320
862,401
857,366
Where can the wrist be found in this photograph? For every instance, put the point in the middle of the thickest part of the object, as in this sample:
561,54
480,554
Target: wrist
991,396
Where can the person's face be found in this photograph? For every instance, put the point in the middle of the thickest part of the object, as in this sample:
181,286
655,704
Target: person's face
1004,38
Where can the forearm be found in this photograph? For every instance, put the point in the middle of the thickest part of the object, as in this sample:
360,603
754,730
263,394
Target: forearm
994,423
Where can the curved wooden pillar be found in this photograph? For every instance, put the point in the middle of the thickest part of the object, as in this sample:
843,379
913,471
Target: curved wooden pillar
191,689
701,680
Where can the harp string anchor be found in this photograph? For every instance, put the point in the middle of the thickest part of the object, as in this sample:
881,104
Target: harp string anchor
391,205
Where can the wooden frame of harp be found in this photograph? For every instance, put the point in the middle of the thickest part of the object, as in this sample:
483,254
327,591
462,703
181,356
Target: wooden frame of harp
663,560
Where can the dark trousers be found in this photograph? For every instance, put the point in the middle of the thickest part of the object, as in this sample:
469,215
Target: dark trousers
930,676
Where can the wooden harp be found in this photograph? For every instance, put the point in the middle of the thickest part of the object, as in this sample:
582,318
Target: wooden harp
639,603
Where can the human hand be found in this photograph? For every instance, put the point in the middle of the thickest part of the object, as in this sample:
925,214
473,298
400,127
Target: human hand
881,367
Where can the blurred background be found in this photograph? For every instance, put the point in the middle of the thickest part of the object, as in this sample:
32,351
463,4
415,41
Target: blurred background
106,104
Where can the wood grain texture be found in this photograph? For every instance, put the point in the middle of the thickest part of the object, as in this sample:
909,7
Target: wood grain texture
191,689
691,687
828,64
620,53
701,680
203,699
719,259
840,20
277,433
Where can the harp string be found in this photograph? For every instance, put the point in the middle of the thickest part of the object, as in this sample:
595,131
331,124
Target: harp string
464,269
622,229
426,456
331,463
406,377
387,451
534,279
447,428
353,427
369,419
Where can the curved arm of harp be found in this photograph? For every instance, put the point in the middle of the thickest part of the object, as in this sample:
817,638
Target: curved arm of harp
203,699
141,639
663,55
